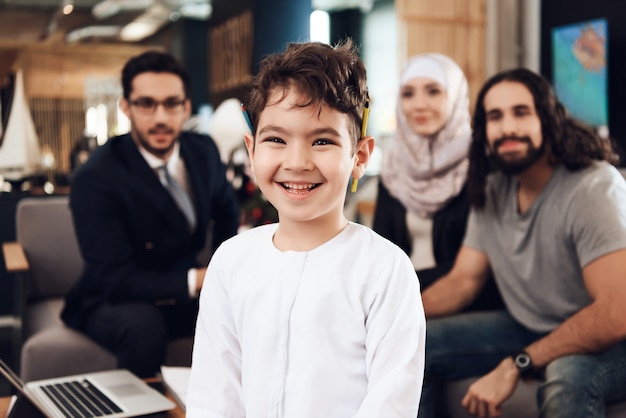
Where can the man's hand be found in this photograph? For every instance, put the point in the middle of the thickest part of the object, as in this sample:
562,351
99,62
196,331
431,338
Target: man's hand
484,397
200,278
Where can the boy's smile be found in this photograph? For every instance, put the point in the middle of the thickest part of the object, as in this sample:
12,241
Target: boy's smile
302,158
298,188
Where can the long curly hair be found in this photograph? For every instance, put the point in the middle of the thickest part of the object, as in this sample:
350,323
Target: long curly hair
567,140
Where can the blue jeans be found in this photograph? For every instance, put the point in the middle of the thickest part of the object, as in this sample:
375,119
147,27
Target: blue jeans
472,344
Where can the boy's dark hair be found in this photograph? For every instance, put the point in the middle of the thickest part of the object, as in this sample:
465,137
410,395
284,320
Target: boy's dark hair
153,61
322,74
567,140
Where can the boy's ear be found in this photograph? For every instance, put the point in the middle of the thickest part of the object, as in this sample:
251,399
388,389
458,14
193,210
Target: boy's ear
364,150
249,140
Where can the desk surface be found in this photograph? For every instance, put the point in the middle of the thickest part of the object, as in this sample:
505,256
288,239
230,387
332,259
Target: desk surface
4,405
174,413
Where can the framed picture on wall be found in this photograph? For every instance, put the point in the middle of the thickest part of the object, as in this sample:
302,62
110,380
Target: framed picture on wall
579,62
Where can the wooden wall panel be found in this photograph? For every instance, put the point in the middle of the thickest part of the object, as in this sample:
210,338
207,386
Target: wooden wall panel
60,72
54,84
231,53
441,9
456,28
60,124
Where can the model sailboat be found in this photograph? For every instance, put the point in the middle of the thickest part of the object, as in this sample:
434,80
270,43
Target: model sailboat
20,155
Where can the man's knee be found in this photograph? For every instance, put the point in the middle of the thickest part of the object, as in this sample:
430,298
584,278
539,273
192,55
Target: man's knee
135,333
571,382
142,324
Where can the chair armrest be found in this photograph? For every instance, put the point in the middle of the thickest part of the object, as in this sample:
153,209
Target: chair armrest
366,207
14,257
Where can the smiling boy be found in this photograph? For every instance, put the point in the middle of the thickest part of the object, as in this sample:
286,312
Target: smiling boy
314,316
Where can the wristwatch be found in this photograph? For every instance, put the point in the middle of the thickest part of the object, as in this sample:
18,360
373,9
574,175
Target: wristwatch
524,364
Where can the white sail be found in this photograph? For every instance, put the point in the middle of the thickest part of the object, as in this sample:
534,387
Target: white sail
19,154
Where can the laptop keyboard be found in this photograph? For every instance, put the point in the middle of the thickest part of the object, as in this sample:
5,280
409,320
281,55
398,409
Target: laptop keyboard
77,399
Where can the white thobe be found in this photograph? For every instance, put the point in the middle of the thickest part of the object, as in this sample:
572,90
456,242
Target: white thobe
335,332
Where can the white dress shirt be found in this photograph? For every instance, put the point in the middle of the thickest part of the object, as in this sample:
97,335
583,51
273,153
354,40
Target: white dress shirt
176,168
421,232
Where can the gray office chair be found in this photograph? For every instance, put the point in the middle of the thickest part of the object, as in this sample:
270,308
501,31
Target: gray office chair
47,256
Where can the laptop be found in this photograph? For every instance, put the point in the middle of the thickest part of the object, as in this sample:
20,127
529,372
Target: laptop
113,393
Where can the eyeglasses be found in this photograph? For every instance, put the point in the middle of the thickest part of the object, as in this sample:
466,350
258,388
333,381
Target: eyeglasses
148,106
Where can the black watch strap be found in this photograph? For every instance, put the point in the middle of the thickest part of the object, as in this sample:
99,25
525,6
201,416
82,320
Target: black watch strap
524,364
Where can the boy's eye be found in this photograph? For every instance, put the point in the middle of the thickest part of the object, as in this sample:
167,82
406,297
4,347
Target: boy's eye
273,139
322,141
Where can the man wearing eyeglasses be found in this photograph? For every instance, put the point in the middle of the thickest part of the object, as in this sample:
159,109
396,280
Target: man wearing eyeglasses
142,207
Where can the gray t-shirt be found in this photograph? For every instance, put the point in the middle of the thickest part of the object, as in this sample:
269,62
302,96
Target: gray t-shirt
537,257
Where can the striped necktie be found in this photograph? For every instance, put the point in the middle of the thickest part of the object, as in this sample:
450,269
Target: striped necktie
180,196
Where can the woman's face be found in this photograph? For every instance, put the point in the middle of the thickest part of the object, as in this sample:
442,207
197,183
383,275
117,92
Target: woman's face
423,102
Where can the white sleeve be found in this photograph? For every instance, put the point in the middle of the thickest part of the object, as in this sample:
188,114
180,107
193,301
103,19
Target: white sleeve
215,383
395,345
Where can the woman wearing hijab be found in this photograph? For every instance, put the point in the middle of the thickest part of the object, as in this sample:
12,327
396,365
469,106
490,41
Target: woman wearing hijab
422,203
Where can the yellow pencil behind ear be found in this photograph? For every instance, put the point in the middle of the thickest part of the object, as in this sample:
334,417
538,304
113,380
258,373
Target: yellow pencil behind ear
366,115
355,185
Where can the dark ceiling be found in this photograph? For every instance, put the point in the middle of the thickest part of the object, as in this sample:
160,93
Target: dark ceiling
36,21
42,21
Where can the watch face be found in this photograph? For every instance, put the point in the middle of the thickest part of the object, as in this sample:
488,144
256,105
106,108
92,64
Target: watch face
522,361
524,364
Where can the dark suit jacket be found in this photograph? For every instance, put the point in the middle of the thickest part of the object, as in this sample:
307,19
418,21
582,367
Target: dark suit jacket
133,237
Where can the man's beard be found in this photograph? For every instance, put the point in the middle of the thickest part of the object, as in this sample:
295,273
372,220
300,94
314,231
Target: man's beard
158,152
516,166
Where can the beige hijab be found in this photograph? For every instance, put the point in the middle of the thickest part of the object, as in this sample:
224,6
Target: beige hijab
424,173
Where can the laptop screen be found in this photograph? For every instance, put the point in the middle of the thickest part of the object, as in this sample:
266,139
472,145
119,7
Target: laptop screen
13,378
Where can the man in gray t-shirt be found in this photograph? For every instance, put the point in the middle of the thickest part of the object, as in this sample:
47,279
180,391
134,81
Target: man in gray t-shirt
549,221
538,256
